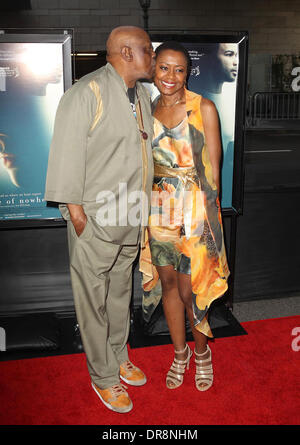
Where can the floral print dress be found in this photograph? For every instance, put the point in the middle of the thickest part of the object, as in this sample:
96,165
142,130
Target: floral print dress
185,225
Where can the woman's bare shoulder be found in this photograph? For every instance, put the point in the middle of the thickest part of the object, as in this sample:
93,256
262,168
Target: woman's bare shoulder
207,105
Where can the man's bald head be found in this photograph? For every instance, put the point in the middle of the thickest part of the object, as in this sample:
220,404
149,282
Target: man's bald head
130,52
123,36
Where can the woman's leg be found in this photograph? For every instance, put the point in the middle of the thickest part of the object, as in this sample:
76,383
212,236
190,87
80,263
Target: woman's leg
173,308
185,292
175,315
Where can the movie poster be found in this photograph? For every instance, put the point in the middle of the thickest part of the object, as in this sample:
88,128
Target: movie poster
214,76
31,85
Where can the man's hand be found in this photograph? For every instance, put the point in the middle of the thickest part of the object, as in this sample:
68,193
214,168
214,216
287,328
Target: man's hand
78,217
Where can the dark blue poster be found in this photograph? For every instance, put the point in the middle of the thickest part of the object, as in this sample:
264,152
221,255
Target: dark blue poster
31,85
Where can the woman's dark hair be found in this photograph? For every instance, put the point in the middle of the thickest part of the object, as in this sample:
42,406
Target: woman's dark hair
175,46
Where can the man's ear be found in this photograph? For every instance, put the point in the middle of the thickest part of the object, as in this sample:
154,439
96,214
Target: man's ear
126,53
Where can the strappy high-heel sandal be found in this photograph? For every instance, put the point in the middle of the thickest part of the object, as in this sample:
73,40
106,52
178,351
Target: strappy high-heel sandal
204,373
176,372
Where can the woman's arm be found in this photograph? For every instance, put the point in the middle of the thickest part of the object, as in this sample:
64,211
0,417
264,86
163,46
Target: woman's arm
212,136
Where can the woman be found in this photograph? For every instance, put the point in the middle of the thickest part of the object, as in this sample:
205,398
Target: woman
187,265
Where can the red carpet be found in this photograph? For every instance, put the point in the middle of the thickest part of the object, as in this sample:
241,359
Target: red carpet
256,383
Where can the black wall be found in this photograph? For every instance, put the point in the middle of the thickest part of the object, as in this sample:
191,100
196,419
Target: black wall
34,270
268,242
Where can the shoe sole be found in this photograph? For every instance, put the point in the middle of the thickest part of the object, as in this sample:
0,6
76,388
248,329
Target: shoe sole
109,406
133,383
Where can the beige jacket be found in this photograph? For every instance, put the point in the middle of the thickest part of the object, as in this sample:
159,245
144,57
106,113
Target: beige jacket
97,147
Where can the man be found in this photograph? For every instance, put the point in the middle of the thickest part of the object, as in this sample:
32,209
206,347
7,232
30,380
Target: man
100,158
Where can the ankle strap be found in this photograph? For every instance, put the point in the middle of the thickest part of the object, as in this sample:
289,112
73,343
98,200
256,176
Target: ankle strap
200,355
180,352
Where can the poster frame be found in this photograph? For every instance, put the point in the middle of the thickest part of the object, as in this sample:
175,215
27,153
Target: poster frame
53,35
242,39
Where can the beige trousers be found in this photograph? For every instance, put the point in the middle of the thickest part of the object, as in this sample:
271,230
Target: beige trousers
101,276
